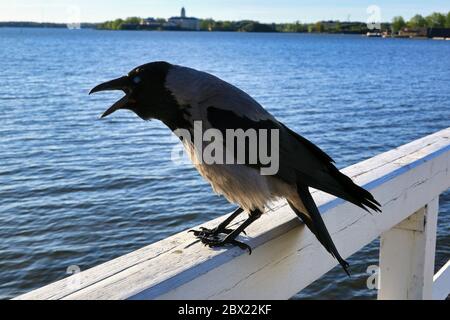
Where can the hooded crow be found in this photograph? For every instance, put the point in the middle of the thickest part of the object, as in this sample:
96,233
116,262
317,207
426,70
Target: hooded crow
180,96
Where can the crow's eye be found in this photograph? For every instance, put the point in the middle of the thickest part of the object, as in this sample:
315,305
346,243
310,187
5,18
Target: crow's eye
137,79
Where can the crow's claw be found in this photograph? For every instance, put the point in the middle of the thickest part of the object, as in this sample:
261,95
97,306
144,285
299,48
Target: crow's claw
212,238
205,232
216,231
195,232
217,242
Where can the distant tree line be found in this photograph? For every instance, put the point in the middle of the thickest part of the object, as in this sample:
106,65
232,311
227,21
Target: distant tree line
434,20
119,24
249,26
254,26
29,24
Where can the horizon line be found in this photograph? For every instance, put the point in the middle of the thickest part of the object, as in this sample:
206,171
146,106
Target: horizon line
237,20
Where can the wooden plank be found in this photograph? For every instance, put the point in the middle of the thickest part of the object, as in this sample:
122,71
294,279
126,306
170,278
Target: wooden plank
286,256
441,283
407,256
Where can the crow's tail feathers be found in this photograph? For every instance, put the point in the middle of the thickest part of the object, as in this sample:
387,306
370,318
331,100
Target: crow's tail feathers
314,222
338,184
354,193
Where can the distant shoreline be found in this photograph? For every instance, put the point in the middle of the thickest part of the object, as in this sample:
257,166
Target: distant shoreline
181,30
248,26
435,26
29,24
362,32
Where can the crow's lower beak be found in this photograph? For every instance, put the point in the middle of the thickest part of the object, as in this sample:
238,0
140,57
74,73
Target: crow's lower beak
122,83
121,104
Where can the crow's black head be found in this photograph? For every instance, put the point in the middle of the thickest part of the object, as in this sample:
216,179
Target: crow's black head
145,92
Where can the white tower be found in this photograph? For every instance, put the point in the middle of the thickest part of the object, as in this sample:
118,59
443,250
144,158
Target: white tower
183,13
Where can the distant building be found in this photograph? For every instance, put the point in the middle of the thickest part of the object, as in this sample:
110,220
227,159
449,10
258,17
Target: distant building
413,32
439,33
150,23
183,22
425,32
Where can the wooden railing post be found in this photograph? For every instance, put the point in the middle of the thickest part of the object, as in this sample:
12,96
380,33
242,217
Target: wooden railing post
407,256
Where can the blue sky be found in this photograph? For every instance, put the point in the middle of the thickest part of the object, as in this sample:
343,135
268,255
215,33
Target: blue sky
262,10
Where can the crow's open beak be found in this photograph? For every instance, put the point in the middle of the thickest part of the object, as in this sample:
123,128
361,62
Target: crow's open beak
122,83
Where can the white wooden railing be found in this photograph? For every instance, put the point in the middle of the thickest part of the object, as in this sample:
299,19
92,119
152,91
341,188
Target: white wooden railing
286,257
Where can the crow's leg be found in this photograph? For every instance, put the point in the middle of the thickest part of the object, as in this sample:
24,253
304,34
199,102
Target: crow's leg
231,237
221,228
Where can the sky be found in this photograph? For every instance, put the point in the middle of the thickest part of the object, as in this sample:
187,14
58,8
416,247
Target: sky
260,10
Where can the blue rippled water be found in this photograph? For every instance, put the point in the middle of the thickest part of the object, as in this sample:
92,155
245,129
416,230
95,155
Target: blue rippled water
75,190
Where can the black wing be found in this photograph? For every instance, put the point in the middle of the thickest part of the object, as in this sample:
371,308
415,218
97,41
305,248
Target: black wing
300,160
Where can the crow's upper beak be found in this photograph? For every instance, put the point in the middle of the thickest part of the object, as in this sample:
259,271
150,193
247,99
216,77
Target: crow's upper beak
122,83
